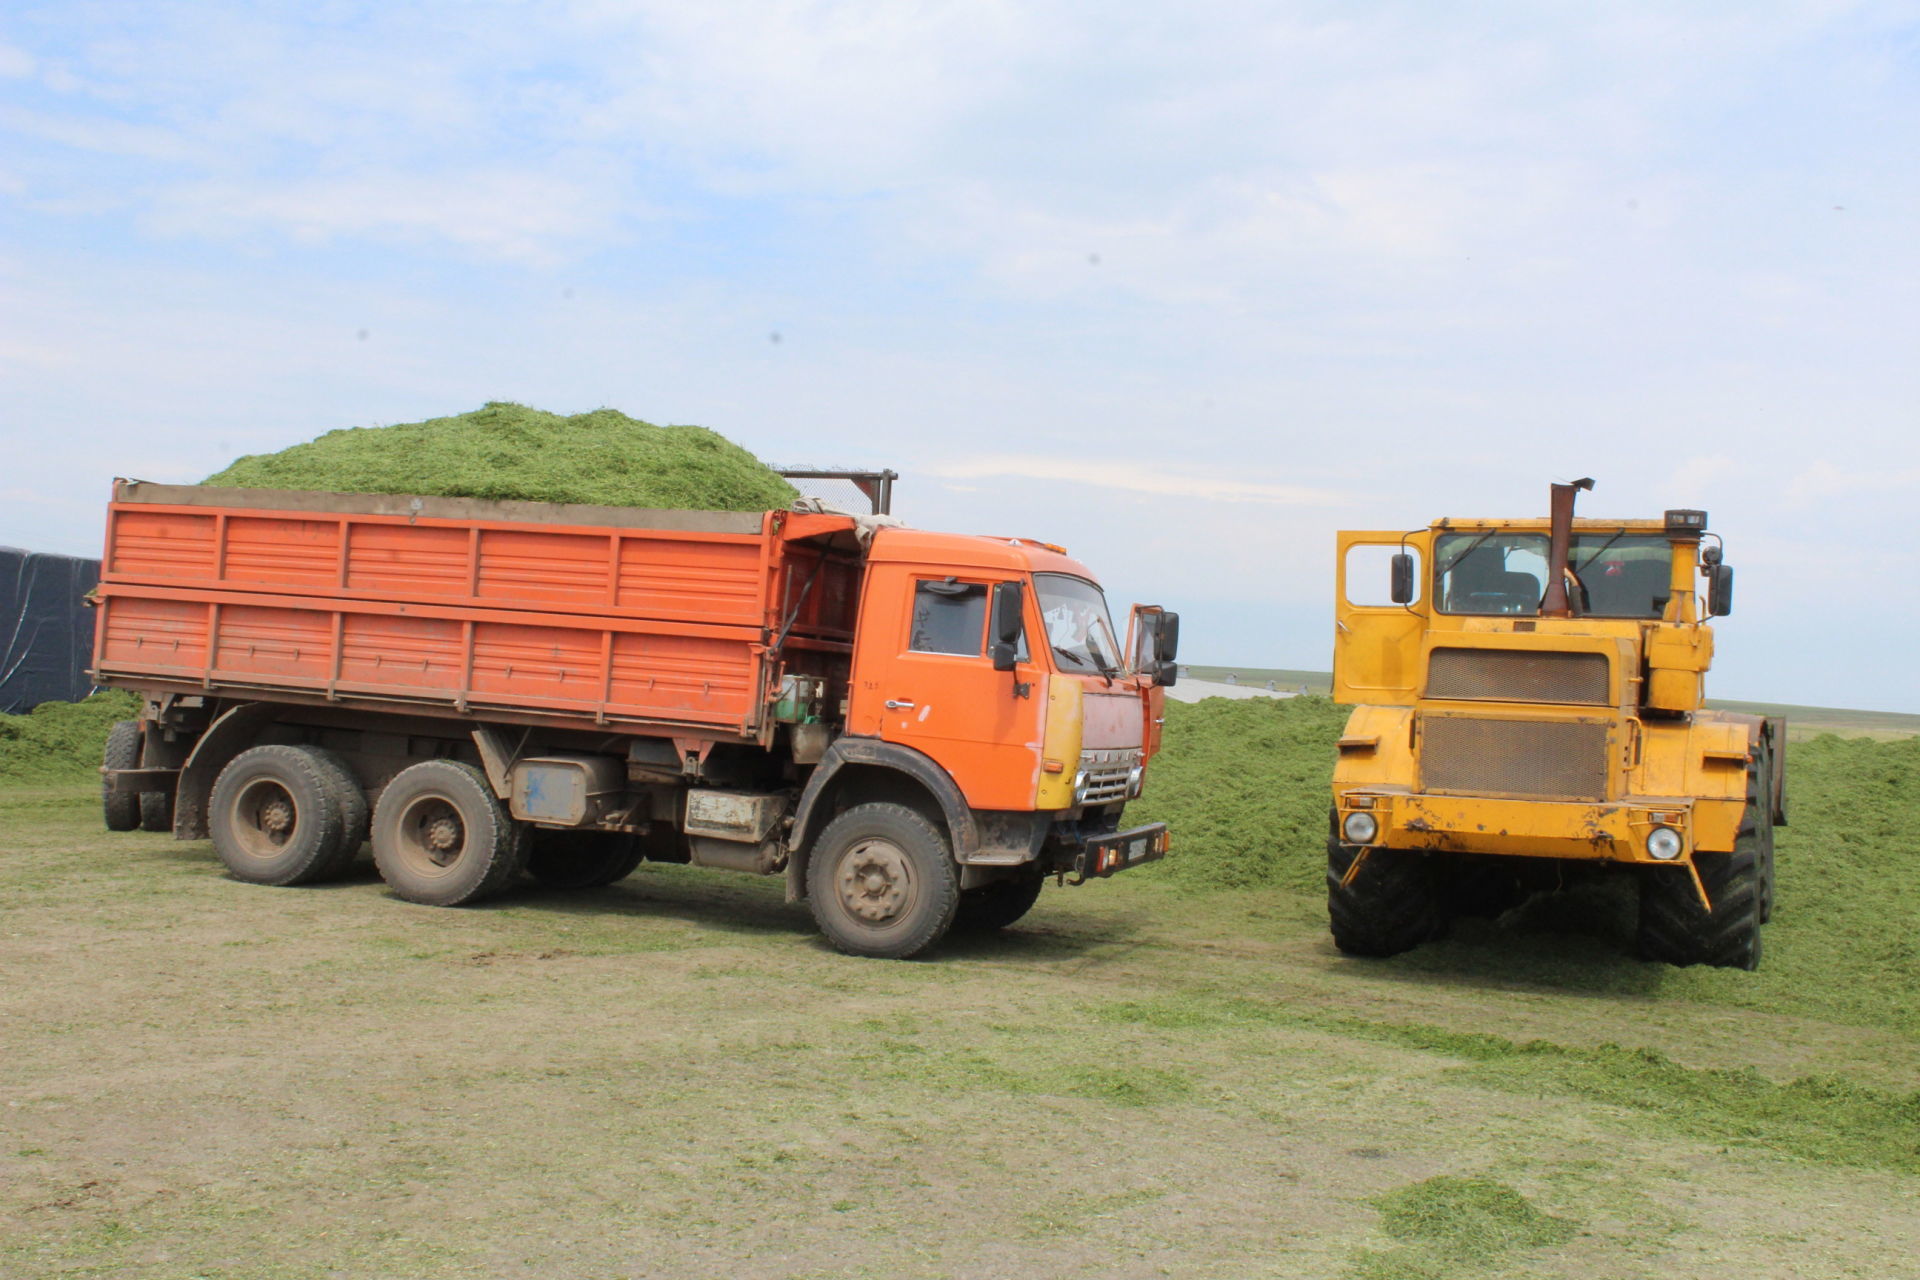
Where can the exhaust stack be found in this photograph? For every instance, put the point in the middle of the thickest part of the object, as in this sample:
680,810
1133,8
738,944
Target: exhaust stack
1554,603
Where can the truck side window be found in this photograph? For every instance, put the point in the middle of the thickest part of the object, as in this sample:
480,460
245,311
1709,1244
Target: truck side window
949,617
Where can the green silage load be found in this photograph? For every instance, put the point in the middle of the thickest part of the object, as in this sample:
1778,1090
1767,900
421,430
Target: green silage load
508,451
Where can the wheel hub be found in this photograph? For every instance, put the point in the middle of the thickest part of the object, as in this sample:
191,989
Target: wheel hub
443,834
875,882
276,818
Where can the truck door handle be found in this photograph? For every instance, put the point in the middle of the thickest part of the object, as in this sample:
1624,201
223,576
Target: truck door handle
898,704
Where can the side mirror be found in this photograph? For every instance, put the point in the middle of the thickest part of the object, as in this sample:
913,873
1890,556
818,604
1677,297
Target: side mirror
1165,673
1402,585
1009,603
1166,641
1719,590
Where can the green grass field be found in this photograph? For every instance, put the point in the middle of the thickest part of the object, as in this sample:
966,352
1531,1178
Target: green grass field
1169,1074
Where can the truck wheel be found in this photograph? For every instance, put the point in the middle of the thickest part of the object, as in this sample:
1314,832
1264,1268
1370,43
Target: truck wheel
121,809
440,837
997,905
285,815
1676,929
1393,904
156,810
882,882
581,859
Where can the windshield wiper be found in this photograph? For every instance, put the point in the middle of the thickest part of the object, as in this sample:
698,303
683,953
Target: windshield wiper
1471,547
1599,550
1076,657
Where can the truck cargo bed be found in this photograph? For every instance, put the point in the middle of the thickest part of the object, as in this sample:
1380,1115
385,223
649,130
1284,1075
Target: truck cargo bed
607,616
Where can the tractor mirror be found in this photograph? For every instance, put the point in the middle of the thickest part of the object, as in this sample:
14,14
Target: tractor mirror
1719,590
1402,585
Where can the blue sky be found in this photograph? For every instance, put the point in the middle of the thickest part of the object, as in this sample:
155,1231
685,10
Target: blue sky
1186,290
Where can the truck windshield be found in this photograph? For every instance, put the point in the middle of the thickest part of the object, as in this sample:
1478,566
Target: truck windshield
1078,628
1620,575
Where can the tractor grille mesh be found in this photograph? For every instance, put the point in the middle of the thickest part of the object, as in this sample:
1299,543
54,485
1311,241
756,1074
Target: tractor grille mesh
1518,675
1547,759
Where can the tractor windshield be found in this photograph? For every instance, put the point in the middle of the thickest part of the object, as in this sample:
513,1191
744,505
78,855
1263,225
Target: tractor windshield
1618,575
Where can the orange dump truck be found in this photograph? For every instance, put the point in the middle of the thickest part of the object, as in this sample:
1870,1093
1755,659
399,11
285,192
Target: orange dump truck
916,729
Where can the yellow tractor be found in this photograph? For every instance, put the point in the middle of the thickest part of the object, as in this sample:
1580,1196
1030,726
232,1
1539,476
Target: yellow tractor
1528,706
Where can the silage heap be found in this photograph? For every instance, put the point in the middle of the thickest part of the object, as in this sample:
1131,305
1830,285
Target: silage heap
508,451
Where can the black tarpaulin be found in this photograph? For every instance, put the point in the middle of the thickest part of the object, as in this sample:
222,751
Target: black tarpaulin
46,629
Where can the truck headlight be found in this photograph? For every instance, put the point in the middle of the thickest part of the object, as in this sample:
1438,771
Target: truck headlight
1080,787
1135,781
1664,844
1360,828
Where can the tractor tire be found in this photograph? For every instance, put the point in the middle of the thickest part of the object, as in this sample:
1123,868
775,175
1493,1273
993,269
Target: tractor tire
1759,816
581,859
993,907
441,838
286,815
120,809
1393,904
1482,888
882,882
1675,929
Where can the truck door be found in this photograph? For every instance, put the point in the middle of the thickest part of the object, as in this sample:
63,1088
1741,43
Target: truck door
923,678
1376,642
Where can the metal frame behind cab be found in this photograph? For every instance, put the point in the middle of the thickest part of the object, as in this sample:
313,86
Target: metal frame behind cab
876,485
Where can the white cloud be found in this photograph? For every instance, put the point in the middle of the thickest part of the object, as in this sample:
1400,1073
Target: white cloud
15,63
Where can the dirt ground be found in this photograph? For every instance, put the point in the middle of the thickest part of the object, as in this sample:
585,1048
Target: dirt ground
675,1077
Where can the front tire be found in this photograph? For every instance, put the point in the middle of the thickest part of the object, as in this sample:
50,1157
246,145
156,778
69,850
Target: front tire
1675,929
442,839
882,882
1391,905
992,907
285,815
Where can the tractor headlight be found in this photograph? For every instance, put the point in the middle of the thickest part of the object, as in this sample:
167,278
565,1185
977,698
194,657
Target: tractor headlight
1664,844
1360,828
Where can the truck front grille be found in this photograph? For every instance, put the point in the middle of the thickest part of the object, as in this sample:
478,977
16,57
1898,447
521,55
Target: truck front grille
1542,759
1518,675
1105,775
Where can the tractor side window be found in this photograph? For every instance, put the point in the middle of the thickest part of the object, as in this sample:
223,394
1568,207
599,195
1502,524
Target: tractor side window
1370,575
949,617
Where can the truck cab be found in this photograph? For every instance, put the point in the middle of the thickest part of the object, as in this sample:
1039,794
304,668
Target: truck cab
1528,700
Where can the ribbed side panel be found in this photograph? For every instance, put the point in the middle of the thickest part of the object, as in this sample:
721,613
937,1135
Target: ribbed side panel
1544,759
1519,675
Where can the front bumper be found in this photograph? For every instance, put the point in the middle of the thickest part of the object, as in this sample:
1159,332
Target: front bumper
1105,855
1614,831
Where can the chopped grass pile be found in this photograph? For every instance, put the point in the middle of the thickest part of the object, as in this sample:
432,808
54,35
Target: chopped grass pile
1244,787
508,451
60,741
1450,1225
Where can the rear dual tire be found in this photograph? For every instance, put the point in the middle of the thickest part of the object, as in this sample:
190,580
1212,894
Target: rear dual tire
441,838
287,815
582,859
120,809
